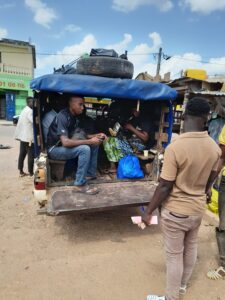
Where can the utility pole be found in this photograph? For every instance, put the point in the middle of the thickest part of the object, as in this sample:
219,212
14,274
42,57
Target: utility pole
159,61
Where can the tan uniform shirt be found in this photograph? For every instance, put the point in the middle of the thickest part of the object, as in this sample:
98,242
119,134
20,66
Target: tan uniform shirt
188,161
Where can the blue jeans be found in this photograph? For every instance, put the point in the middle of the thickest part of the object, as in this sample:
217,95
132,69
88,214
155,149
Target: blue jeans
87,160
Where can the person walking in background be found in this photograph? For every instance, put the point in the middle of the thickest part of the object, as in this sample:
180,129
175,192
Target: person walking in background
190,165
24,134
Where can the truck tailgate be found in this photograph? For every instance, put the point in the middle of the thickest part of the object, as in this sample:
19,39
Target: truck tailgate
111,195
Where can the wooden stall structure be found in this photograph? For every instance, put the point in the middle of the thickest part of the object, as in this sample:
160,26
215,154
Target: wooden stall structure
187,88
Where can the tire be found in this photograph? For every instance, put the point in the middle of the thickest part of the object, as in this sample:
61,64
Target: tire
105,67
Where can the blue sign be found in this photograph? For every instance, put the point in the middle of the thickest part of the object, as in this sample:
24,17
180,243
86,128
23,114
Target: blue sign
10,105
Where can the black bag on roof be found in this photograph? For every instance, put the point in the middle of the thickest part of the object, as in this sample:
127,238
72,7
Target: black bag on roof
104,52
65,70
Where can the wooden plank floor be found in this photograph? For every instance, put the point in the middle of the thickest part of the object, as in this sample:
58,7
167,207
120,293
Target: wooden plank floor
111,195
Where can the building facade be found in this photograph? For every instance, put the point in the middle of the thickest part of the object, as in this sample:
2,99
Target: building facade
17,64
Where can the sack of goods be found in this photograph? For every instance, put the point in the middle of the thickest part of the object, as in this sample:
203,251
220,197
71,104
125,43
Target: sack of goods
129,167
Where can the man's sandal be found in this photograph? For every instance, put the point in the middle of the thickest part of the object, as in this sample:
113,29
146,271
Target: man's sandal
155,297
86,189
109,171
219,273
89,178
183,290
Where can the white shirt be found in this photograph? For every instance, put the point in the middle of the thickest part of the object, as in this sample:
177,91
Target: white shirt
24,128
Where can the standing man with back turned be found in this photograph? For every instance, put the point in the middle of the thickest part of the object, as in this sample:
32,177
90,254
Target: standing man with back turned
24,134
190,163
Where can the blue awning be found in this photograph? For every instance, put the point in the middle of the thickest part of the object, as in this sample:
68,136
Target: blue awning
102,87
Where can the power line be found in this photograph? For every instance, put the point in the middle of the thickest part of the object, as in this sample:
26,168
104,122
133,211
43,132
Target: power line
199,61
165,57
68,54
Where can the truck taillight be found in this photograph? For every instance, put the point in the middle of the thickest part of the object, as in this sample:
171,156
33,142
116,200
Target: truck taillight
39,185
39,179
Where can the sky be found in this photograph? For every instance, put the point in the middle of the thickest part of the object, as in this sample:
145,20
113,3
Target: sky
190,32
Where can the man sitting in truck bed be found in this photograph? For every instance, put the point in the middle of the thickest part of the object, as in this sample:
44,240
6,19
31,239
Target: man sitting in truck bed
61,145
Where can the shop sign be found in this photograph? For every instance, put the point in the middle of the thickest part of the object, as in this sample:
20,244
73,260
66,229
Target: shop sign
13,84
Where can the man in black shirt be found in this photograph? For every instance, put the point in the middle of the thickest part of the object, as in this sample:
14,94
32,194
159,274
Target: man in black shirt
137,135
142,130
61,145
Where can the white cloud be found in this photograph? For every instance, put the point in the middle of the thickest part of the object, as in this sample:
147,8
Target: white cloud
157,41
71,28
204,6
141,55
131,5
192,61
120,47
201,6
45,65
3,33
43,15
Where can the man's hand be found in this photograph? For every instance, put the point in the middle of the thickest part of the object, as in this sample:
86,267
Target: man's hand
209,196
160,195
95,141
128,127
146,218
102,136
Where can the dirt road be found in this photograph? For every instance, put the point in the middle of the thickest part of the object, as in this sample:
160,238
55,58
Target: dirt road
99,256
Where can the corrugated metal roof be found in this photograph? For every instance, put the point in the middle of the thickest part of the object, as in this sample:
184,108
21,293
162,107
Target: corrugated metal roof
189,79
15,42
209,93
216,79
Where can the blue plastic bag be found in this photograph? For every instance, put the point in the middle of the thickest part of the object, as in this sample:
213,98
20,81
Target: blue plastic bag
129,167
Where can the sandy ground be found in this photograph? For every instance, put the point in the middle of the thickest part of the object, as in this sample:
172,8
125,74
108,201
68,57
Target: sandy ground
99,256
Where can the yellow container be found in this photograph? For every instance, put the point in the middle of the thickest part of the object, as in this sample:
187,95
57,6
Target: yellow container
196,74
213,206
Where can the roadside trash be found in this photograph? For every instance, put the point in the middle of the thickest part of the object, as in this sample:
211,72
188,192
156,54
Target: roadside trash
4,146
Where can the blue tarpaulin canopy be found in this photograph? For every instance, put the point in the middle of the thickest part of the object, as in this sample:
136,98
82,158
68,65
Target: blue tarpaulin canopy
102,87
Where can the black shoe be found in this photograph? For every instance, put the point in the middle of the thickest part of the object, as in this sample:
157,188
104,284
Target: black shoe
22,174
